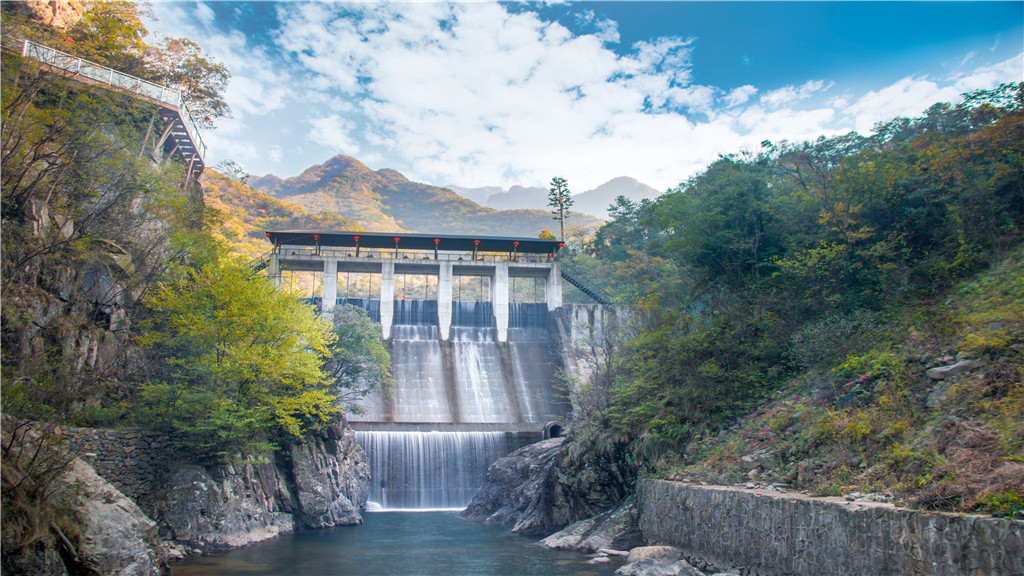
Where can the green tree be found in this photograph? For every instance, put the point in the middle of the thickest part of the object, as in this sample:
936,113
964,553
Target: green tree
560,200
359,363
179,63
238,362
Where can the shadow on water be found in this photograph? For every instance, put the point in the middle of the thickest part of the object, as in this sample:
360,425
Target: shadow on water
399,544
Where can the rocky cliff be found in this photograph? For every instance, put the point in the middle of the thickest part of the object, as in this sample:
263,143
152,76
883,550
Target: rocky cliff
535,491
320,482
179,508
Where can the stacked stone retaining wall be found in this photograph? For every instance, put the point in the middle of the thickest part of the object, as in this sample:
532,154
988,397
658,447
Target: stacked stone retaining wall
762,532
132,461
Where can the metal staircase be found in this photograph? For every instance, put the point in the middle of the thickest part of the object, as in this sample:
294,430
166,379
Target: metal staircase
260,263
584,288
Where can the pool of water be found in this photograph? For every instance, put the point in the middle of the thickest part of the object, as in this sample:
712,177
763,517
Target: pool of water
399,544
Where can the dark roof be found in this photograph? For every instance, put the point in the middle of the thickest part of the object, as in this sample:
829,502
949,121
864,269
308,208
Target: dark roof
413,241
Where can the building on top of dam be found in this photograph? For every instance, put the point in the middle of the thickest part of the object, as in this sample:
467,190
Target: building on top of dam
449,261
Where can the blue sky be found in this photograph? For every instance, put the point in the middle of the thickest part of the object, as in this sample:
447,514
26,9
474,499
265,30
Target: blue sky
495,94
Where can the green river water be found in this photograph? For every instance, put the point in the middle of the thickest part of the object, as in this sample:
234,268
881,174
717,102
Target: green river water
399,544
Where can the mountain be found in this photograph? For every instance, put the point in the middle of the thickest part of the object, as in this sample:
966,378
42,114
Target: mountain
386,201
246,213
592,202
595,202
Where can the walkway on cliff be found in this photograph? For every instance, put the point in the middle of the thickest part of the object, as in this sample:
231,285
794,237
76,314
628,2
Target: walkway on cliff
180,134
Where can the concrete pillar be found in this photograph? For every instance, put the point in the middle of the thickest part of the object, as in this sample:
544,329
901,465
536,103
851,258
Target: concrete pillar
444,299
274,269
553,287
499,299
387,296
330,294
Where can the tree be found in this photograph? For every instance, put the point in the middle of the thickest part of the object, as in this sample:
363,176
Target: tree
179,63
238,362
359,362
560,199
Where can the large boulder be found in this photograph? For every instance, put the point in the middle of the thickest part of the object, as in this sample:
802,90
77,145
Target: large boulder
116,537
331,479
322,481
616,529
653,567
535,493
224,506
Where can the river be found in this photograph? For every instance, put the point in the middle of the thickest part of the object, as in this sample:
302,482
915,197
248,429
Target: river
399,544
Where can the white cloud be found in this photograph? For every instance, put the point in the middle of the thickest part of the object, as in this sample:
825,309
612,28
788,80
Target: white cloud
472,94
911,96
792,94
739,95
334,132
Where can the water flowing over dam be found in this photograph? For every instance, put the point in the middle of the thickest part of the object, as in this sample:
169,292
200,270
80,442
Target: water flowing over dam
456,406
471,324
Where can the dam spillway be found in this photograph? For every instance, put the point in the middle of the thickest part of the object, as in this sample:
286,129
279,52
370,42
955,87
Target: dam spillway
473,356
454,407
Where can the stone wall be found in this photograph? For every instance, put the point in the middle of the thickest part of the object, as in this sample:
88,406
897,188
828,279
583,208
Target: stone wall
761,532
130,461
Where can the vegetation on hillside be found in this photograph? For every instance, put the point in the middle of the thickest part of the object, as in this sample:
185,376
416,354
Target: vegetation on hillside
245,214
817,276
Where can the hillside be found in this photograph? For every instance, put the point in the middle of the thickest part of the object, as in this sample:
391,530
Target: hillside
841,317
246,213
387,201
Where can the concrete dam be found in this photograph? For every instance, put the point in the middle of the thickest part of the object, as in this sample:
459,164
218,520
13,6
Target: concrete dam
475,344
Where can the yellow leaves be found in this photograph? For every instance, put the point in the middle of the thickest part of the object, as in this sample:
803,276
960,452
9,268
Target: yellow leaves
311,410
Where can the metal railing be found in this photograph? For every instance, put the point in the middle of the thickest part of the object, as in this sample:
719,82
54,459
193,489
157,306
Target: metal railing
167,97
410,255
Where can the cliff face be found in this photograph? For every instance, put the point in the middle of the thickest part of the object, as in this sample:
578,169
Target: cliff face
535,492
320,482
131,523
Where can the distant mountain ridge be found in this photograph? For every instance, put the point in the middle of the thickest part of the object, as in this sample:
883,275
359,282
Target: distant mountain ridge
592,202
386,201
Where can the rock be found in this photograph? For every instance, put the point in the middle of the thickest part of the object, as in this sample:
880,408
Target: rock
213,508
616,528
531,492
332,478
610,552
944,372
323,482
116,537
666,554
684,568
647,567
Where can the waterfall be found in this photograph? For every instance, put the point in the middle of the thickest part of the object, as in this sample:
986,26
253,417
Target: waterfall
421,454
425,470
415,313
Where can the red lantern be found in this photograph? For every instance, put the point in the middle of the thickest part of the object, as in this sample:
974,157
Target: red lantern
356,238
